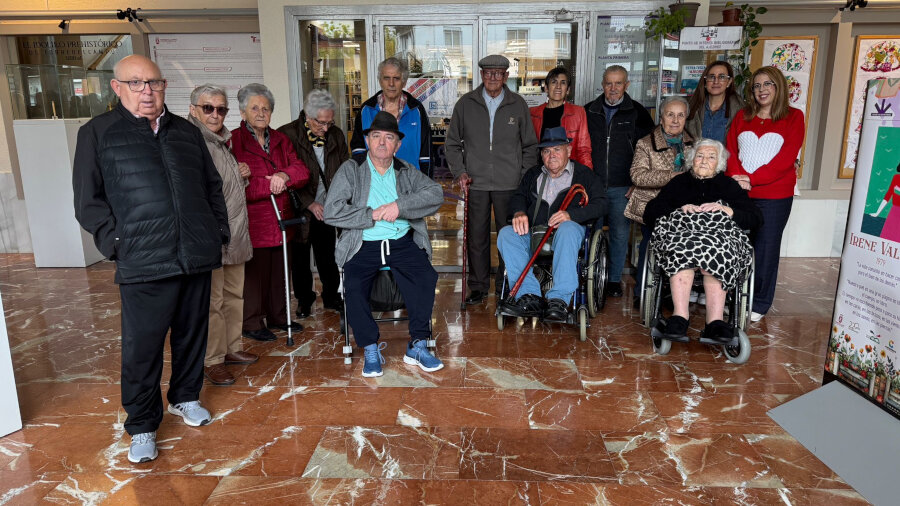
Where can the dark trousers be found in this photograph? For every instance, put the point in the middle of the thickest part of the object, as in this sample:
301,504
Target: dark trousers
149,310
415,278
767,250
264,296
321,242
480,204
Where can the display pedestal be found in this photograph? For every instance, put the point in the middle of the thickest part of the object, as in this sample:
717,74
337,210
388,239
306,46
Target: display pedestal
852,436
10,418
46,152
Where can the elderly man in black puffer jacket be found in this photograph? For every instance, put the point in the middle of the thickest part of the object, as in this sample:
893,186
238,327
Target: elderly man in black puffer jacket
146,188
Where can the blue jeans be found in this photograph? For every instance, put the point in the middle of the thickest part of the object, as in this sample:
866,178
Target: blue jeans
619,228
767,250
516,251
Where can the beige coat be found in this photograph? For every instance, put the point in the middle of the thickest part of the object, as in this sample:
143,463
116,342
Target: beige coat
652,167
239,249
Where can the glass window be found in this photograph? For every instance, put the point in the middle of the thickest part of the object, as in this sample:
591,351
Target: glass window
621,41
533,50
334,58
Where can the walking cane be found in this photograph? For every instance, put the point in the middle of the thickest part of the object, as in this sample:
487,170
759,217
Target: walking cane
465,246
576,189
283,224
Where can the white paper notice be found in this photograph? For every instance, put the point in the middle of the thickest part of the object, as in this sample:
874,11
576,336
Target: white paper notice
229,60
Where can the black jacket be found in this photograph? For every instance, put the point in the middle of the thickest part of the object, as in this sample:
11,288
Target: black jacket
526,197
687,189
612,148
153,202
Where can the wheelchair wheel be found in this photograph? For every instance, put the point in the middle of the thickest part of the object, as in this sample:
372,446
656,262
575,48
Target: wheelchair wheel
650,293
661,346
598,263
582,323
741,353
745,302
500,322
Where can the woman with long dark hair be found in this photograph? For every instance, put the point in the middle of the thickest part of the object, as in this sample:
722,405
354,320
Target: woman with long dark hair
764,142
714,103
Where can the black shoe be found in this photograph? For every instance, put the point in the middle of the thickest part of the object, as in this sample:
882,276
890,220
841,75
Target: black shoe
557,310
613,289
259,335
676,329
295,327
527,306
334,305
475,297
303,311
717,332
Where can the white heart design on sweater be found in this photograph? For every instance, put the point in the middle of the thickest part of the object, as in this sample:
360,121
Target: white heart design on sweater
755,152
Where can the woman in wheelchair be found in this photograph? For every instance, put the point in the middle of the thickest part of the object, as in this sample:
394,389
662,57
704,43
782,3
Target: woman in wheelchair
535,205
698,220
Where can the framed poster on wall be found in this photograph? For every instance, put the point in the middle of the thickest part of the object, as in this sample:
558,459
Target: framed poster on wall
876,57
795,57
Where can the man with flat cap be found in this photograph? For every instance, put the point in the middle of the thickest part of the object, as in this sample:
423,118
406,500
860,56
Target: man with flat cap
537,202
490,144
381,204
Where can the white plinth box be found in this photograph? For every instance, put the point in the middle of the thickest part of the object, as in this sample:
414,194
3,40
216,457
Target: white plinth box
46,152
10,418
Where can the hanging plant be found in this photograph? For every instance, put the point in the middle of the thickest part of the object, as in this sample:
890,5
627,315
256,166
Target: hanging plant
663,23
749,38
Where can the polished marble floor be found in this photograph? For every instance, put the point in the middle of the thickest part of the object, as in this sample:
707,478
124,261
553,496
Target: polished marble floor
523,416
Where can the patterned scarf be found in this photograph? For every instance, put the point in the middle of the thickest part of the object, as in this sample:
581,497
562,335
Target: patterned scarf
314,139
265,137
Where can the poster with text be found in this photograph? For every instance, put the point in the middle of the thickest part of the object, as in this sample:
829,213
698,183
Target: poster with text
877,57
438,96
865,333
229,60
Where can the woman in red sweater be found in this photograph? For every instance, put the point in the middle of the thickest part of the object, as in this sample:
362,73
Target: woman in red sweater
764,143
557,112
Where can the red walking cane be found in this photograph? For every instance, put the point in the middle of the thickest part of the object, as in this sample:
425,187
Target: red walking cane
465,245
576,189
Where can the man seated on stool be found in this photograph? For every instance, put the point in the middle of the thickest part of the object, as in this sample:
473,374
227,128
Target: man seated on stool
537,202
381,205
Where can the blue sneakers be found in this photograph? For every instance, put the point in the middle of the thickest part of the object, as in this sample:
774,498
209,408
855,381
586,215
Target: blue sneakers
419,355
373,360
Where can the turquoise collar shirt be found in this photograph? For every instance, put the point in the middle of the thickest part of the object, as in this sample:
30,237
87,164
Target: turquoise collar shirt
383,190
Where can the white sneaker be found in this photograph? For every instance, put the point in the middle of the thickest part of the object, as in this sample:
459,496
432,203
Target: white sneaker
755,317
143,448
192,412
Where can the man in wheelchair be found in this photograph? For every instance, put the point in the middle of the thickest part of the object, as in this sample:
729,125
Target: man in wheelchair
535,206
380,205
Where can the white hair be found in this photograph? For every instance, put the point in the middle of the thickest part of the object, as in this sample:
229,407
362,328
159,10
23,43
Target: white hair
702,143
208,89
253,90
316,101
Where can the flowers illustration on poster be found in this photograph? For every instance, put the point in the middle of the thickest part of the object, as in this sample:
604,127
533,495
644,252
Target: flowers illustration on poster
877,57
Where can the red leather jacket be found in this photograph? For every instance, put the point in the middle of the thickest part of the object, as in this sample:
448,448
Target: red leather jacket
264,231
574,120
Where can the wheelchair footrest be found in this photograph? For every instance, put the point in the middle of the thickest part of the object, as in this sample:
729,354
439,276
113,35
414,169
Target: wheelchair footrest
657,333
715,342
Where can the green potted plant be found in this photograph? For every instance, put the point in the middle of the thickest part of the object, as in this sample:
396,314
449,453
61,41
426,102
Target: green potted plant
749,38
662,23
689,8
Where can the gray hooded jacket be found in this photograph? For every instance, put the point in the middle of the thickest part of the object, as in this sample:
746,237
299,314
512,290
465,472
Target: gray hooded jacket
346,208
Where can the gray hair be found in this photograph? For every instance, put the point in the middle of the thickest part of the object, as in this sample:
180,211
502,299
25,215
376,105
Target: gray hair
316,101
615,68
401,65
208,89
674,99
254,90
703,143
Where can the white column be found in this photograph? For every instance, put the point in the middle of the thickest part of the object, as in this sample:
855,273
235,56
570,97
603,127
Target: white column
10,418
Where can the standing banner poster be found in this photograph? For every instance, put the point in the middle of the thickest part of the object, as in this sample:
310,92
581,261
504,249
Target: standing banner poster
865,334
229,60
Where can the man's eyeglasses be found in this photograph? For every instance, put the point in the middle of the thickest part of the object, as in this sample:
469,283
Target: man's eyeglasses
722,78
208,109
137,86
765,84
326,124
494,74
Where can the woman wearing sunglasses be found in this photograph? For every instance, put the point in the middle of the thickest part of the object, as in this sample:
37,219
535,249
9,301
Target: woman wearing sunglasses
714,104
764,142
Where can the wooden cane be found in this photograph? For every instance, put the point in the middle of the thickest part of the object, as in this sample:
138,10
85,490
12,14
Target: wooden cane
576,189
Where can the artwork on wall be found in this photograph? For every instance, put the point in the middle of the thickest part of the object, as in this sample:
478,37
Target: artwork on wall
795,56
876,57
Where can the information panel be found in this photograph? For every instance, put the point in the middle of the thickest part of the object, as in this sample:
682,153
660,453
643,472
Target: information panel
230,60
